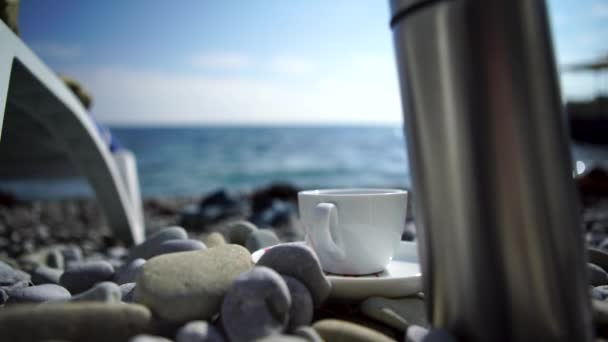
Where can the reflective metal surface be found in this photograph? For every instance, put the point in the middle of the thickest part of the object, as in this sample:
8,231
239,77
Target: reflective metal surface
495,204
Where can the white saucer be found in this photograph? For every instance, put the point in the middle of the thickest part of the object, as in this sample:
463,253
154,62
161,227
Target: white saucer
402,277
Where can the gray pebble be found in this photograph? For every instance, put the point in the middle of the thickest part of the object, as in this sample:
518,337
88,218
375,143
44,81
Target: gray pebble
82,276
302,307
38,294
127,292
415,333
146,249
128,273
256,306
308,333
261,238
299,261
597,275
239,231
173,246
107,292
46,275
148,338
117,252
10,276
71,254
198,331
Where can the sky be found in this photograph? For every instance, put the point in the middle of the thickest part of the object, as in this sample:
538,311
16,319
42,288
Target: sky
253,61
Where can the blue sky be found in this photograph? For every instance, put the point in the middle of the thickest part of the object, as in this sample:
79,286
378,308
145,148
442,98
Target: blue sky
255,61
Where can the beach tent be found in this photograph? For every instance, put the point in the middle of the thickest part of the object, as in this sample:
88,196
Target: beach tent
45,131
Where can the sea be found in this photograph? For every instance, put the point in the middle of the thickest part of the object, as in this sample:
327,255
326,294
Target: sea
191,161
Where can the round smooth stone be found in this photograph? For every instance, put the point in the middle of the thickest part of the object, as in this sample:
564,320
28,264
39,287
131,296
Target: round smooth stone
73,322
81,276
46,275
128,273
308,333
71,254
146,249
127,292
597,275
38,294
10,276
598,257
148,338
415,333
106,291
212,239
239,231
198,331
261,238
337,330
256,306
397,313
302,307
299,261
174,246
186,286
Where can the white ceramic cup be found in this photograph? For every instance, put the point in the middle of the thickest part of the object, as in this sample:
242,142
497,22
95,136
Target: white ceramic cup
353,231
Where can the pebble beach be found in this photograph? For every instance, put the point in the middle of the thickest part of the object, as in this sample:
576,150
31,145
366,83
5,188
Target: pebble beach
63,276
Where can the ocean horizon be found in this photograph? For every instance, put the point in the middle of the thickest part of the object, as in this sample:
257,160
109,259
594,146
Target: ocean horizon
190,160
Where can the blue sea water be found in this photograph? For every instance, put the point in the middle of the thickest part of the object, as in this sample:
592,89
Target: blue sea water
195,160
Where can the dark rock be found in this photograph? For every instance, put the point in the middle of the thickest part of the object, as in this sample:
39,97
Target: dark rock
198,331
262,198
146,249
220,204
302,306
46,275
173,246
107,292
128,273
300,262
597,275
91,322
598,257
82,276
38,294
277,214
257,305
261,238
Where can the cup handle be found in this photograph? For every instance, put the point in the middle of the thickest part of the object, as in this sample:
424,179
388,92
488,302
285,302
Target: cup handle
325,233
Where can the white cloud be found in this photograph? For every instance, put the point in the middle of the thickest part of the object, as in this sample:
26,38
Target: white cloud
292,65
220,60
363,90
55,50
